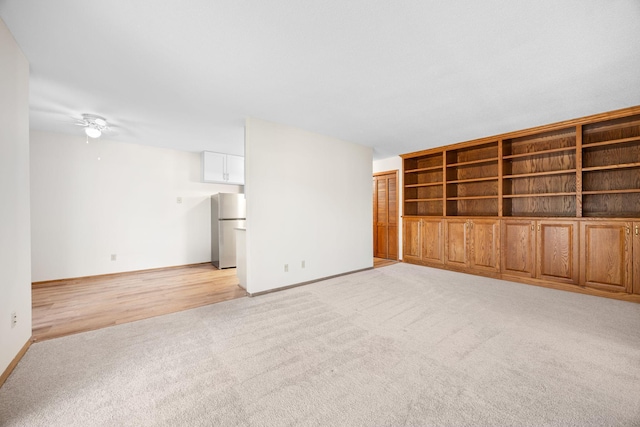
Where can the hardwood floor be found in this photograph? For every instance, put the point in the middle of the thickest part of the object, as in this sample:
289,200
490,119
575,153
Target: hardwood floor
66,307
381,262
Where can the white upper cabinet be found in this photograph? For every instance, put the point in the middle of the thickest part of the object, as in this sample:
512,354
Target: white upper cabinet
235,169
222,168
213,167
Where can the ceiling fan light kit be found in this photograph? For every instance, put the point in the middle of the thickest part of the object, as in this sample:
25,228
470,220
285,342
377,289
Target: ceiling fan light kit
92,132
93,125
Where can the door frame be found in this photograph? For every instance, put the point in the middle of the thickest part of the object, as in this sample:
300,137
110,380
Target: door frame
398,240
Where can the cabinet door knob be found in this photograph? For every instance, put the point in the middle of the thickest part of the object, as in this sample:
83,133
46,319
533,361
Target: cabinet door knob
538,227
532,227
637,229
628,230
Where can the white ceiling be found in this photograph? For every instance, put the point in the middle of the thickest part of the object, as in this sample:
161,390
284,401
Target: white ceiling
398,76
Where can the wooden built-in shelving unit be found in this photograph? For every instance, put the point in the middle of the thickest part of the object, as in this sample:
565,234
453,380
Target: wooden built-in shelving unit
538,186
472,180
423,180
611,168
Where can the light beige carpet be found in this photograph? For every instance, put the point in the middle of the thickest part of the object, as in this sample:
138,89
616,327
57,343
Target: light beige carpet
399,345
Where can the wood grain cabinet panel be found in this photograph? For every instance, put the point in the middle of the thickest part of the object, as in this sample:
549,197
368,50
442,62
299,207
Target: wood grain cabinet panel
557,251
411,239
605,255
423,240
432,246
456,242
472,243
484,244
518,248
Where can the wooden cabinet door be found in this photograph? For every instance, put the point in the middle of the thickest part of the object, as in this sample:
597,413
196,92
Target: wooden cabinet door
455,242
484,244
411,239
432,241
636,257
557,251
605,255
518,247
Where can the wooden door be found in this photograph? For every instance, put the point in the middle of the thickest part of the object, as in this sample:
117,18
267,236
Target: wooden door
518,247
455,242
411,239
385,215
605,255
431,237
557,251
484,244
636,257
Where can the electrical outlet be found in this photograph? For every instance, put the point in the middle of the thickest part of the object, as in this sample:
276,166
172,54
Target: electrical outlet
14,319
302,263
114,257
286,268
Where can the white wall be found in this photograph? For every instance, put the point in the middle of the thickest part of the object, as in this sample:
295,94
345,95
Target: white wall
391,164
93,200
308,198
15,249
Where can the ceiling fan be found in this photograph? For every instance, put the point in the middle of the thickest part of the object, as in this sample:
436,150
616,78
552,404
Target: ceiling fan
93,125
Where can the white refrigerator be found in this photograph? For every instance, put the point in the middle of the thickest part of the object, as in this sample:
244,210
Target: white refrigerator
228,212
